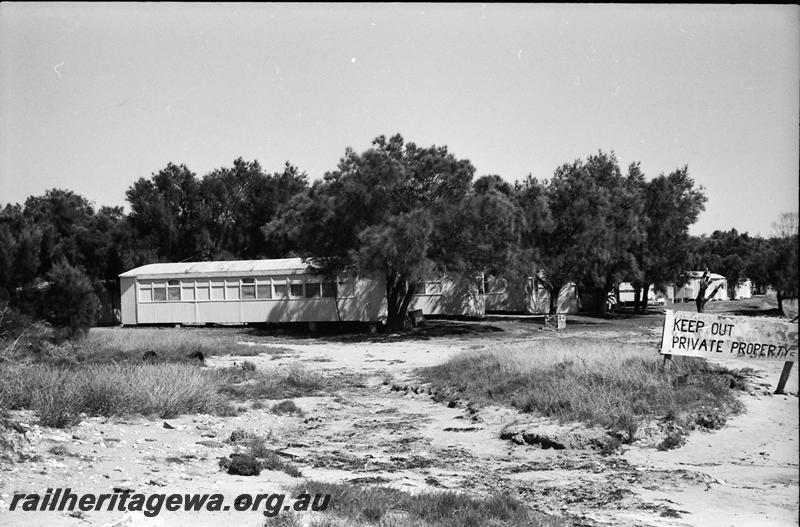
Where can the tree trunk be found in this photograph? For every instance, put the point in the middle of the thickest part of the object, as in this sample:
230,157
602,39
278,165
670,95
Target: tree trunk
398,297
779,296
392,322
601,298
701,299
637,297
405,303
645,295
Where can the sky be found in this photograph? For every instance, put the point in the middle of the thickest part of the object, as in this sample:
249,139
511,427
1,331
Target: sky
95,96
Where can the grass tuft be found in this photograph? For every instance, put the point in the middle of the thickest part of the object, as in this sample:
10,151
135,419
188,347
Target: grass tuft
286,407
380,506
597,383
255,447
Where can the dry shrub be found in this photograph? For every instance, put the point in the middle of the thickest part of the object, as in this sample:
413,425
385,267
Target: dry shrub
59,395
380,506
594,382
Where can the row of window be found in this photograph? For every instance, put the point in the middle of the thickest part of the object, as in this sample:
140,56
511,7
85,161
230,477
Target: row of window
234,289
254,289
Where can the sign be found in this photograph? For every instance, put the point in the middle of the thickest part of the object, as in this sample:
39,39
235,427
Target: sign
727,337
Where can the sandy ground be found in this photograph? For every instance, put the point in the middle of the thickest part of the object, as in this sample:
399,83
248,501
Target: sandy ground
744,474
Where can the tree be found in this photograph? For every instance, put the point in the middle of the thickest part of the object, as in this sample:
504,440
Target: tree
165,213
394,211
63,220
237,202
728,253
70,301
594,223
671,205
782,260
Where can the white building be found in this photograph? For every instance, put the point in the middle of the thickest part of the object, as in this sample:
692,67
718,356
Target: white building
280,290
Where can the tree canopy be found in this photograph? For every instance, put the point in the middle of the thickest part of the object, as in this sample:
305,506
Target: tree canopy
399,211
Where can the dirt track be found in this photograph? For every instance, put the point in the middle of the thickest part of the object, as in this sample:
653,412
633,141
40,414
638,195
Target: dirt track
744,474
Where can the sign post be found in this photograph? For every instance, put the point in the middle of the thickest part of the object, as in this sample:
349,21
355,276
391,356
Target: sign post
730,337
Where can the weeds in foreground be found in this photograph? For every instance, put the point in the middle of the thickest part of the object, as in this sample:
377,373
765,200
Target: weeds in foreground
379,506
673,439
286,407
279,383
60,394
592,382
39,342
256,454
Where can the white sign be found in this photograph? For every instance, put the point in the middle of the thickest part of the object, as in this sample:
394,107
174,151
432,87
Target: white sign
722,336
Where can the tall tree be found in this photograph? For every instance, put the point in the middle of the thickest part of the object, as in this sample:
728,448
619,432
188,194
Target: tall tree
782,259
596,221
671,205
165,213
728,253
392,211
237,202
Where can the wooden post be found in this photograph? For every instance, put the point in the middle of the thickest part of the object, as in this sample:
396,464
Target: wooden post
787,368
667,357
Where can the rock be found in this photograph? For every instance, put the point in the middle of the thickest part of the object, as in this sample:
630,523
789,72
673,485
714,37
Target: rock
543,440
210,444
557,437
168,426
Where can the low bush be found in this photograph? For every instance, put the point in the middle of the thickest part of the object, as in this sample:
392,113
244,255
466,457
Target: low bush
277,383
60,394
594,382
379,506
286,407
255,447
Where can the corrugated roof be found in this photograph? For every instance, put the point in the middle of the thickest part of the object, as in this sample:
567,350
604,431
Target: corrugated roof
277,266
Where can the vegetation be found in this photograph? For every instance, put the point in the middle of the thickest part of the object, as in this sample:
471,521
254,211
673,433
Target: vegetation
400,212
379,506
286,407
671,205
768,262
396,210
59,395
256,455
594,382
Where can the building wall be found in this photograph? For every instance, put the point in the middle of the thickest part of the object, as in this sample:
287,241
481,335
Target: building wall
528,297
127,287
451,297
237,300
227,298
